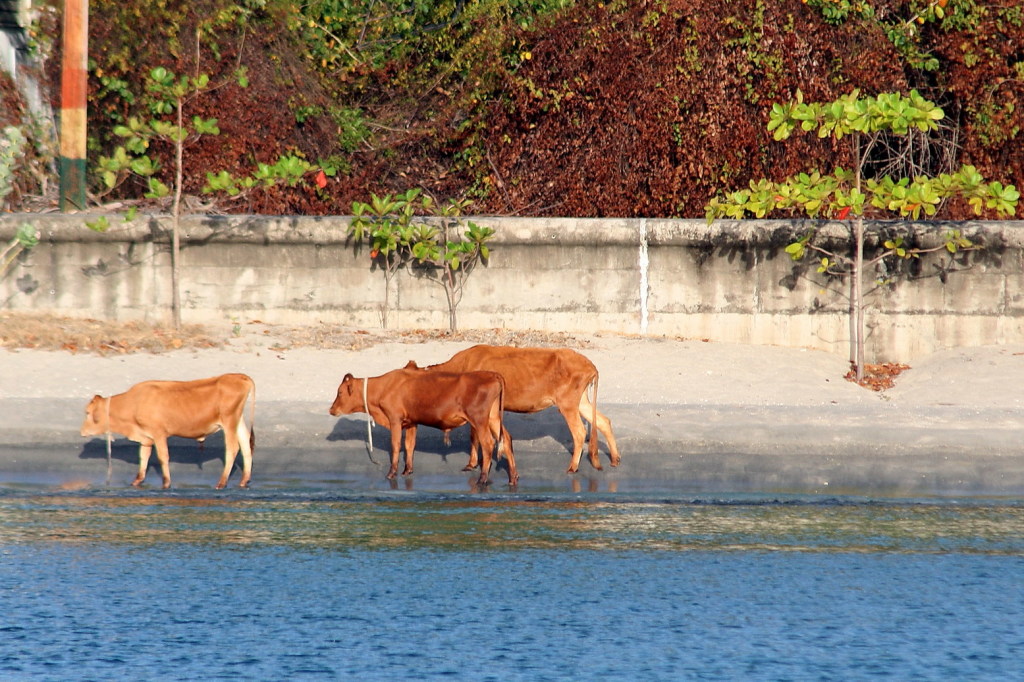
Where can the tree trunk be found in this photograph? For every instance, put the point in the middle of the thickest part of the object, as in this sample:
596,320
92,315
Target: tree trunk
857,300
857,286
450,293
175,213
388,274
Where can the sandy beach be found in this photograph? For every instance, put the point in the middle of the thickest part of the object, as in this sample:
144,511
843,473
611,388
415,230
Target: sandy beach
688,415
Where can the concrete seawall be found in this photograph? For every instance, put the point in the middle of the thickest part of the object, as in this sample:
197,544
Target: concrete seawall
727,282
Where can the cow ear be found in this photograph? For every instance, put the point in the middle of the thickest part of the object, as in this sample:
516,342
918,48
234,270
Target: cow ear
347,377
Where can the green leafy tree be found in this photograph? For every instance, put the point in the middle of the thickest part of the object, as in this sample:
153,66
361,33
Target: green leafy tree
399,236
387,222
169,95
25,238
453,256
850,196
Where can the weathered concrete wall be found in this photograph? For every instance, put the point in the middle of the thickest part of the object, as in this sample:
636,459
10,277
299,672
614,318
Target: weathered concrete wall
728,282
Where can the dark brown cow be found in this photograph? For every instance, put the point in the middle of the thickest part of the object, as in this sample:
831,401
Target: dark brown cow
150,411
403,399
537,378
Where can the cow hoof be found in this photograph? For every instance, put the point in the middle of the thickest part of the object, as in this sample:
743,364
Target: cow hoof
391,475
468,468
615,462
219,486
407,472
572,470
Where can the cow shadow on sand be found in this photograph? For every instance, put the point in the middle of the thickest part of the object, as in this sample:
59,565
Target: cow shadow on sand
184,452
430,441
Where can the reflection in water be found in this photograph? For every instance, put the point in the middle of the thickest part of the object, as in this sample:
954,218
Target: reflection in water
474,522
303,584
578,484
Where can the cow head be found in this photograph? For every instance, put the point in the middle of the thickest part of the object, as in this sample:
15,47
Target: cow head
97,417
349,398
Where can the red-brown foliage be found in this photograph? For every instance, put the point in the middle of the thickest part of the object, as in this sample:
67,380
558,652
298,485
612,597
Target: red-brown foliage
643,108
983,71
622,114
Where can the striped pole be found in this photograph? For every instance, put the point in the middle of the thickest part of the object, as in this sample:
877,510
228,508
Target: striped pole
73,105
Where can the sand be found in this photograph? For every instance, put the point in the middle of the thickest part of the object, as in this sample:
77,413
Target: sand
688,415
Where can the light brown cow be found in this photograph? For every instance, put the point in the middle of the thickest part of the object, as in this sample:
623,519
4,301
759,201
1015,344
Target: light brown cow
537,378
403,399
151,411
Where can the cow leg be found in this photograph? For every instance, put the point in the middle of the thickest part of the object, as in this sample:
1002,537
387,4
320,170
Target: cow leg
230,452
163,456
410,445
246,440
396,446
486,448
505,441
579,436
144,452
473,447
235,437
604,425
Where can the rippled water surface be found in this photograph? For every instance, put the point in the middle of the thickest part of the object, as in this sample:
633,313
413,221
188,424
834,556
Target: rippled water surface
306,583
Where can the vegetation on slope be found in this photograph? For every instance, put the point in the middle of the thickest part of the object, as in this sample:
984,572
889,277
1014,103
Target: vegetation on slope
538,107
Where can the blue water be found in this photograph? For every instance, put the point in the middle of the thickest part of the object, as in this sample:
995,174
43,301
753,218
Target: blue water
312,584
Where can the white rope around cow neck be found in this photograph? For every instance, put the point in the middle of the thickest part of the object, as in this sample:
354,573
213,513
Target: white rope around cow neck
369,422
109,464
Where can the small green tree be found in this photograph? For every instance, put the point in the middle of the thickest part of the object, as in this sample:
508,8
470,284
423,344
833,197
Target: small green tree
169,96
454,256
851,196
399,237
25,238
387,222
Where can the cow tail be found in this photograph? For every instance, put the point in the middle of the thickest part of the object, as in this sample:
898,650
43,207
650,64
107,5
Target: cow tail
593,419
252,417
502,433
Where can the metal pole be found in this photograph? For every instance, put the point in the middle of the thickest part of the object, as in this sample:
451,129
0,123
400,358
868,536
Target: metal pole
73,105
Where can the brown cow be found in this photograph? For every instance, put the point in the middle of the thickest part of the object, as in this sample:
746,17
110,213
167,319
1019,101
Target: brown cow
150,411
403,399
537,378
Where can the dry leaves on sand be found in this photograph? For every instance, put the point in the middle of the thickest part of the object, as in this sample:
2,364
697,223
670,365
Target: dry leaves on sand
329,336
878,377
79,335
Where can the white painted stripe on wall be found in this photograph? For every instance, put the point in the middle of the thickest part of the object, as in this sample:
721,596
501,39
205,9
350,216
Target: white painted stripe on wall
644,263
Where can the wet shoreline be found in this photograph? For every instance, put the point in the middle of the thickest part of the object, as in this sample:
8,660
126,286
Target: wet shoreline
687,416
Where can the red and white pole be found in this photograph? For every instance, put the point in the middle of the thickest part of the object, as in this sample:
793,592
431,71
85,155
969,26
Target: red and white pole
74,84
